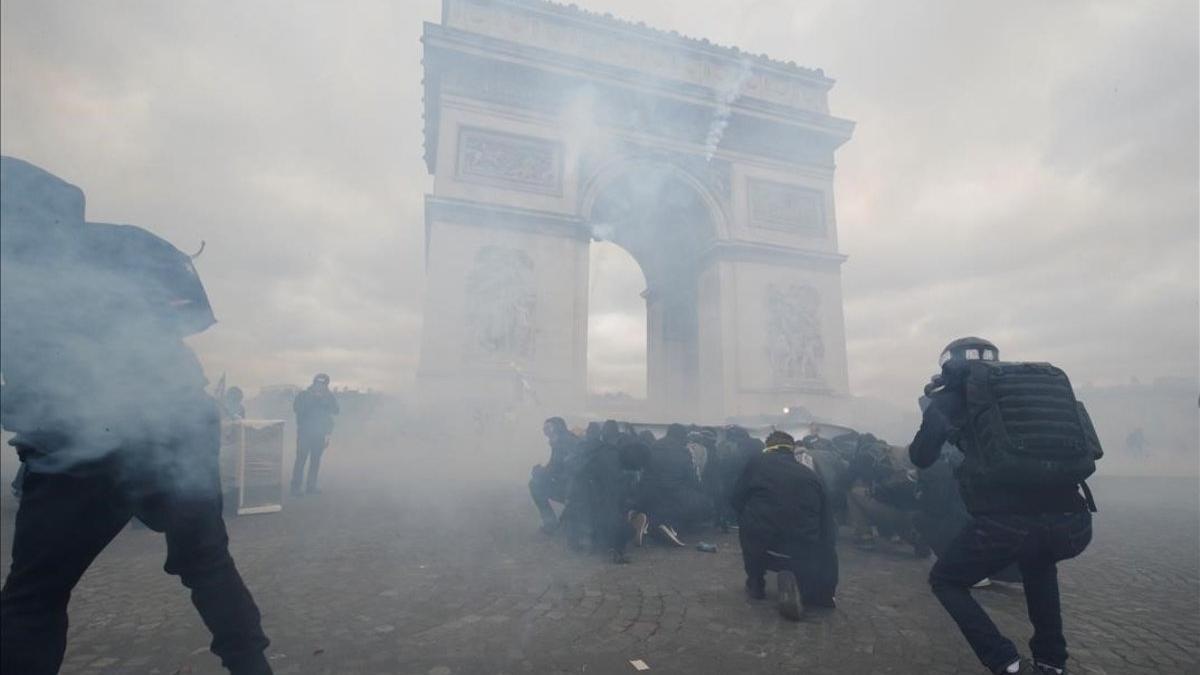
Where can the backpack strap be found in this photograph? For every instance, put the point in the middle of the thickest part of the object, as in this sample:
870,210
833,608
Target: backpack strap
1087,495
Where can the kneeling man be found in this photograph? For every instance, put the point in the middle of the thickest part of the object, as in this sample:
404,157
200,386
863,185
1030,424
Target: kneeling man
785,523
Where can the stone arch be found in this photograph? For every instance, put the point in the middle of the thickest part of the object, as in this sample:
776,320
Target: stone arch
615,169
536,119
666,219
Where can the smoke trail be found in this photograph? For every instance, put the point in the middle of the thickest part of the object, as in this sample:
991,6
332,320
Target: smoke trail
725,108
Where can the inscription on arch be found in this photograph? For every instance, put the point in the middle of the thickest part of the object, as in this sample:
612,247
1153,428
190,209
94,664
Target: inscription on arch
517,162
787,208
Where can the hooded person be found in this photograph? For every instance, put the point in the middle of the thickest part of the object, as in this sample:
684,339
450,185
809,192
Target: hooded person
110,417
785,522
550,481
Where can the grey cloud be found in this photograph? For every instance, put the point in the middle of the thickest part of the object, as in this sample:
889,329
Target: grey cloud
1026,170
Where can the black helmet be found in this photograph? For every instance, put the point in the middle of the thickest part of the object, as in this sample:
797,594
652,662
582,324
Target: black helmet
969,349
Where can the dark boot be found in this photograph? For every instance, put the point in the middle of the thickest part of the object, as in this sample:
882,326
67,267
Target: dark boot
756,589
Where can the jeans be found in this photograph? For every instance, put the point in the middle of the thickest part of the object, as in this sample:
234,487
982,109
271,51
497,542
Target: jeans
308,450
990,543
64,521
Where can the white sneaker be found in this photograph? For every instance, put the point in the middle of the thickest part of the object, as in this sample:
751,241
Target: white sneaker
982,583
671,535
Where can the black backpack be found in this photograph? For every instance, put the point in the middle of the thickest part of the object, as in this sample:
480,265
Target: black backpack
1027,429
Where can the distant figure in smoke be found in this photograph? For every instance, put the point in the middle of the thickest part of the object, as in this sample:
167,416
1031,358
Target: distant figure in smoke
232,406
315,408
110,416
786,523
550,481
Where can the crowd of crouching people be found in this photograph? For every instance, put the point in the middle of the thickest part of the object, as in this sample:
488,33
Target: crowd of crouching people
620,486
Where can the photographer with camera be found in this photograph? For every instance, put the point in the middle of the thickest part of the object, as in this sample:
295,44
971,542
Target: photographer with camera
1028,446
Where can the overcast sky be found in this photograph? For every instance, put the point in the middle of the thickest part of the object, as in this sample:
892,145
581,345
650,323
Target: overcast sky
1026,171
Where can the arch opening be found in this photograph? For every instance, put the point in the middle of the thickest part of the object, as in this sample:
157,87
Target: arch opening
616,347
664,223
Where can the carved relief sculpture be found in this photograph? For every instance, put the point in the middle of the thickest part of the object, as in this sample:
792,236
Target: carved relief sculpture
501,303
795,347
788,208
520,162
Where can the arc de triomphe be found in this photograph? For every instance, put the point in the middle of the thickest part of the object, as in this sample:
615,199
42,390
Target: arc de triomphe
547,127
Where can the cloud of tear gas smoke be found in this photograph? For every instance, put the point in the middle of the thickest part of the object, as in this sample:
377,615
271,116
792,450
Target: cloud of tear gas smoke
1036,186
91,336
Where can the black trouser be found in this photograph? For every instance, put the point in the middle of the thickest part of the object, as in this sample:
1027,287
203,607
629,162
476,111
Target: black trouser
814,562
308,449
63,522
939,528
545,485
991,543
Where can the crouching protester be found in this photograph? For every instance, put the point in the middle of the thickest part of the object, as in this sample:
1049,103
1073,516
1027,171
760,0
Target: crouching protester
1028,445
785,523
550,481
110,419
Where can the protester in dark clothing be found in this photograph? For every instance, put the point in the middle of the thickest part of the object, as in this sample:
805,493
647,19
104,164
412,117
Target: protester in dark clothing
550,481
110,417
1035,519
669,492
889,504
604,485
315,408
733,450
782,508
833,469
576,519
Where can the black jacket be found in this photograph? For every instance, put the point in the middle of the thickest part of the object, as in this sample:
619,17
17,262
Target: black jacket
777,494
943,421
315,409
563,448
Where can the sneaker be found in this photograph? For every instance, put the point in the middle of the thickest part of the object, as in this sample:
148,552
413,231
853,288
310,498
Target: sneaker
641,524
1047,669
1023,667
789,596
756,589
982,583
671,535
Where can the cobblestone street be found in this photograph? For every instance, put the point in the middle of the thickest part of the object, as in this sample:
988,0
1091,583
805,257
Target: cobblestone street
366,580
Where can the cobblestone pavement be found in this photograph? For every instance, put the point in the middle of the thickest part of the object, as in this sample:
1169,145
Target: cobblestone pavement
420,580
